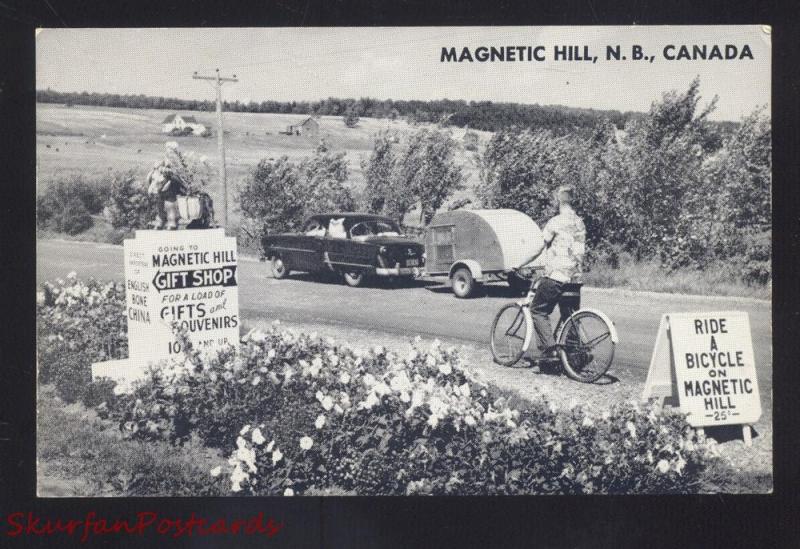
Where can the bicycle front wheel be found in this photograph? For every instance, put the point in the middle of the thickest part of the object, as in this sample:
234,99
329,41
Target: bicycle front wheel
587,346
509,334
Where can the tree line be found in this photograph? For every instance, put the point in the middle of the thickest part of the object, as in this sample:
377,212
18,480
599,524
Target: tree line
480,115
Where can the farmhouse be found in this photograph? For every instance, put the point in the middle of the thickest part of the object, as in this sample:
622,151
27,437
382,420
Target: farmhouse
178,122
309,127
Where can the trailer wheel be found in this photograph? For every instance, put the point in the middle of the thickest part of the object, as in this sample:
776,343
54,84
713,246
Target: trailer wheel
463,283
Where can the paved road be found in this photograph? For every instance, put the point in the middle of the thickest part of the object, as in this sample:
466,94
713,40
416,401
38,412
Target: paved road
426,308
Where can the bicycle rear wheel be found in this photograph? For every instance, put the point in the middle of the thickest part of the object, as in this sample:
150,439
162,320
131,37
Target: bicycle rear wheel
587,346
509,332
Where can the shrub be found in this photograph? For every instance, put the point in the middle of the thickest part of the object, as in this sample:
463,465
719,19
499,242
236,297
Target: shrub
300,415
129,207
66,205
79,323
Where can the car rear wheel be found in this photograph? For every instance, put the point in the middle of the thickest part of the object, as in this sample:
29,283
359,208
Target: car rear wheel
463,283
279,269
354,279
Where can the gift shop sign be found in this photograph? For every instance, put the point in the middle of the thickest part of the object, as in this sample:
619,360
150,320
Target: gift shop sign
705,361
186,279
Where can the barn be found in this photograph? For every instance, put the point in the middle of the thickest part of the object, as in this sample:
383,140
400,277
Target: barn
309,127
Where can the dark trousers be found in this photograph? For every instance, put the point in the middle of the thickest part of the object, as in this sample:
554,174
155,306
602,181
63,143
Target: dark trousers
550,292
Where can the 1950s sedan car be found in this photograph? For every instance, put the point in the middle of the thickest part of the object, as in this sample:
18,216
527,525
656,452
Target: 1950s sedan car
354,245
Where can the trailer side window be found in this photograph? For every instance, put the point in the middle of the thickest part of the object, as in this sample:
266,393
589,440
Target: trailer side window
443,244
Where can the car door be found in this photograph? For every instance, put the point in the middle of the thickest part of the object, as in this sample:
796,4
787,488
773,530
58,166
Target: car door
348,254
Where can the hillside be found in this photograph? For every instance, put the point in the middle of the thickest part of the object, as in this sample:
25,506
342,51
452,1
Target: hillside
93,141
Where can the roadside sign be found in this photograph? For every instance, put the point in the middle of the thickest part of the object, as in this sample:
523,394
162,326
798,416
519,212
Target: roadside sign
704,363
186,278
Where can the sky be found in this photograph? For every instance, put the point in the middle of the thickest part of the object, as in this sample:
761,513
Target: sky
288,64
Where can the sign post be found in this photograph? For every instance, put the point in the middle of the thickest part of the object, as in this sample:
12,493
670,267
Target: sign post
704,363
186,278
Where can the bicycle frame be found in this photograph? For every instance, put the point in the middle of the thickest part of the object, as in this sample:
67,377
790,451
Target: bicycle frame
525,306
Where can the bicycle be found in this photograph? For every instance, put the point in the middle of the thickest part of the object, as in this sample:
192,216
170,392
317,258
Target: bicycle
585,341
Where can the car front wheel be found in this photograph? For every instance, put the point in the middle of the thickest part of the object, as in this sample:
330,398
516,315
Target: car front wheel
279,269
354,279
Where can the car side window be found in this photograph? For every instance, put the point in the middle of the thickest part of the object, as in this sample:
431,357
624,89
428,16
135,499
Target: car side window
315,228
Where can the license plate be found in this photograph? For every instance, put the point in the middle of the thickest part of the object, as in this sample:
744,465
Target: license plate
412,262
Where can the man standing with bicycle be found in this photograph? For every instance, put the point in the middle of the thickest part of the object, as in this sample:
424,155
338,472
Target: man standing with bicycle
564,247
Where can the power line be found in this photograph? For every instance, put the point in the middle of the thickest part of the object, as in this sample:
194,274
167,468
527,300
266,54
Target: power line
218,81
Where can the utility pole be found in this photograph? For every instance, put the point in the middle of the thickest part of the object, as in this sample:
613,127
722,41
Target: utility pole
218,81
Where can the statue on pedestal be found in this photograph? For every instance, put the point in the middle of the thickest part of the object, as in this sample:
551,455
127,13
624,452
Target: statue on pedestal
177,201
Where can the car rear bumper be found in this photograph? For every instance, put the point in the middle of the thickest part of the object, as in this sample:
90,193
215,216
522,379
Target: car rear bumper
398,271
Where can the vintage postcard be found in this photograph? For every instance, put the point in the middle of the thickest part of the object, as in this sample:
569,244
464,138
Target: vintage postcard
404,261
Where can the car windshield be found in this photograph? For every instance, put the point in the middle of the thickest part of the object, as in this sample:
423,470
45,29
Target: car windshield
374,227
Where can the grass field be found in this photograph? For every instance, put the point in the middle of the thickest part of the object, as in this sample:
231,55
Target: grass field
93,141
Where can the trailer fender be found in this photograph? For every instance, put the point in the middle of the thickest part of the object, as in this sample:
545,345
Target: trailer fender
473,266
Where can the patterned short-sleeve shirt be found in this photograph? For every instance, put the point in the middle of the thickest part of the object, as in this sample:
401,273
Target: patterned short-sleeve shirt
567,237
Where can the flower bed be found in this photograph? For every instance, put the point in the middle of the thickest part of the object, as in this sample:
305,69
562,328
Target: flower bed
300,415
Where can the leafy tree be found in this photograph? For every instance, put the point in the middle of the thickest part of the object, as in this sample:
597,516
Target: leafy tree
350,117
428,171
278,195
379,173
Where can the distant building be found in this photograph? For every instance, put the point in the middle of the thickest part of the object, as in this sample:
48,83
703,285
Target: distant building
309,127
178,122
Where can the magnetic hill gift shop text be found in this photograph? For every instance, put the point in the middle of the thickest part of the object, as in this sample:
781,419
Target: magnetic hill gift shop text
194,298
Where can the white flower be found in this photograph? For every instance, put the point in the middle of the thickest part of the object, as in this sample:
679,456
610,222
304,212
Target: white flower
338,409
469,420
344,378
412,356
288,492
277,455
256,380
320,422
400,382
378,350
216,471
319,395
270,446
680,464
430,361
382,389
306,443
587,421
631,429
271,352
445,368
464,388
257,437
39,297
327,402
72,275
369,380
334,360
663,466
372,400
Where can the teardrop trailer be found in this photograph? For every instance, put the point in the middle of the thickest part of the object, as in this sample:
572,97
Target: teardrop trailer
475,246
